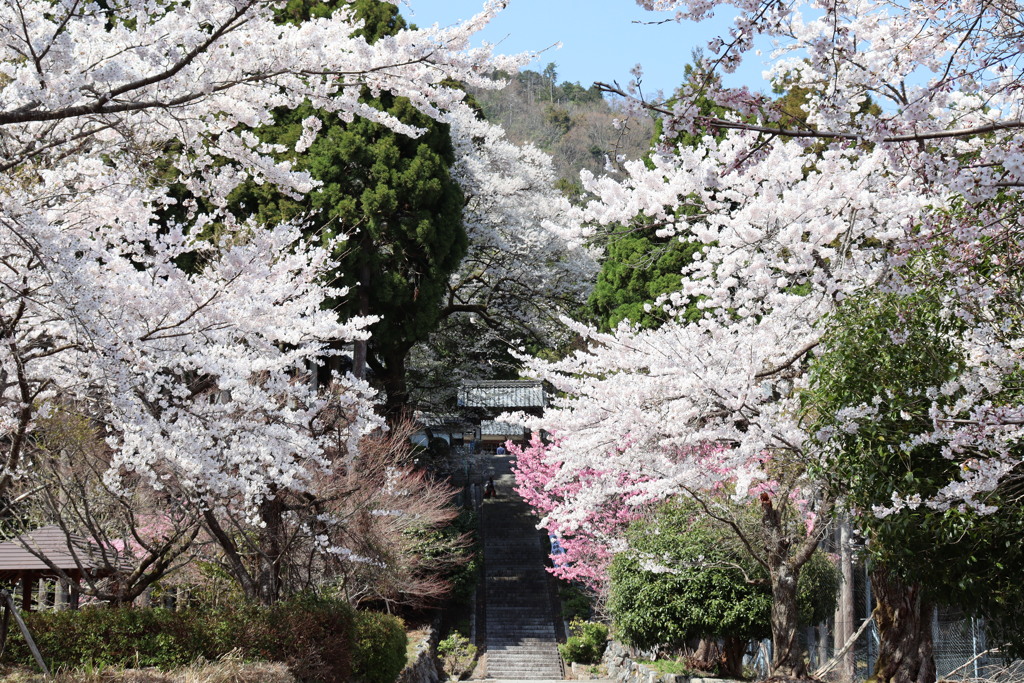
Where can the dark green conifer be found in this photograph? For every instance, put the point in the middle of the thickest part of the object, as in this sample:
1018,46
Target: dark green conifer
394,199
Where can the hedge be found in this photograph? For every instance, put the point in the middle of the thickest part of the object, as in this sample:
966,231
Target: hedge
318,639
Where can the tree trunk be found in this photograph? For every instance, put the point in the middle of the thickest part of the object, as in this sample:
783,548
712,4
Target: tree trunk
904,630
706,655
396,405
732,658
787,655
233,558
359,347
785,554
271,550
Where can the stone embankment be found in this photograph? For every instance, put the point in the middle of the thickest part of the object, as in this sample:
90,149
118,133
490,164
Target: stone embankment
622,669
423,667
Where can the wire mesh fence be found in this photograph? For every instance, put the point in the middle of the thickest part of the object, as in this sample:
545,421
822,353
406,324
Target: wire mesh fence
961,648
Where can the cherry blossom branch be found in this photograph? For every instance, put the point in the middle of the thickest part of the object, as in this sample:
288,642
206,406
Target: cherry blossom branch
714,122
803,351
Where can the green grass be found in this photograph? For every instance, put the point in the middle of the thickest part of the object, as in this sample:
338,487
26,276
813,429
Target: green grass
668,666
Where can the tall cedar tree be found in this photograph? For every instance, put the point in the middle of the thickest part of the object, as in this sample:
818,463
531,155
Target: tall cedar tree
639,265
394,199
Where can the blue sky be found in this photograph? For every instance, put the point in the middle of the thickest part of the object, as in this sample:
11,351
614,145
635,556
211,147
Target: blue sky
600,41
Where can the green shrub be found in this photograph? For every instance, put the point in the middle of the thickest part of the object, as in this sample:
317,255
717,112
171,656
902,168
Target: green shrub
464,576
380,647
313,637
114,637
586,644
457,654
707,595
669,666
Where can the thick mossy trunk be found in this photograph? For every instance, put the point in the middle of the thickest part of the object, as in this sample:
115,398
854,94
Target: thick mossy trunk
396,403
707,656
732,658
787,655
905,653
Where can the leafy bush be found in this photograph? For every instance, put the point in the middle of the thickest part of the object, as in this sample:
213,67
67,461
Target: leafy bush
100,637
380,647
705,594
458,655
685,577
319,640
463,575
586,644
669,666
818,589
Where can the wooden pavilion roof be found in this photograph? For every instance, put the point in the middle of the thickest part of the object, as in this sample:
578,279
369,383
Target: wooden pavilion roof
23,556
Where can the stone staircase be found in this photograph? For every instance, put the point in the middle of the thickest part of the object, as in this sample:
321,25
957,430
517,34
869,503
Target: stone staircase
519,606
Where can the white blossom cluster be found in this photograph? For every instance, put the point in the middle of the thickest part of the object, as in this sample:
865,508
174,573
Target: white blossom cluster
127,288
793,222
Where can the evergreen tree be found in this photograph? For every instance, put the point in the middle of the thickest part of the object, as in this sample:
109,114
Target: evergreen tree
393,199
899,346
640,266
685,578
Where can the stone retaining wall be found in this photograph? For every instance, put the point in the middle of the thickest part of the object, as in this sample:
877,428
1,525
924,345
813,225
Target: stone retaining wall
622,669
423,668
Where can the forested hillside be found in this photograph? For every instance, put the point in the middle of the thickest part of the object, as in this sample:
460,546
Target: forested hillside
576,125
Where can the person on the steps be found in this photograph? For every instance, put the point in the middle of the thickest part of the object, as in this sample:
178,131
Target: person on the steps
489,488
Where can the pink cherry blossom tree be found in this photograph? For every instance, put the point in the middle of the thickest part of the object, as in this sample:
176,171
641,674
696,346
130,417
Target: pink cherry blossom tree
589,545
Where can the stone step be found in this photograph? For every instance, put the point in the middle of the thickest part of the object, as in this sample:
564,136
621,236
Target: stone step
509,636
516,591
513,622
524,674
518,621
535,667
527,606
542,667
546,651
521,654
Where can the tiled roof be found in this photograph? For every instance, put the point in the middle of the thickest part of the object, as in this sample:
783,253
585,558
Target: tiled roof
495,428
508,394
443,421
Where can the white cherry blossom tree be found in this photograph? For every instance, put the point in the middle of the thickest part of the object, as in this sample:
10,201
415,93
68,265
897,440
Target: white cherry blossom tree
528,263
185,332
793,221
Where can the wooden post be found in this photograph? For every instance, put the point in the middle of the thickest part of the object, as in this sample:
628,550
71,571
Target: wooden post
844,606
26,593
73,602
169,598
10,609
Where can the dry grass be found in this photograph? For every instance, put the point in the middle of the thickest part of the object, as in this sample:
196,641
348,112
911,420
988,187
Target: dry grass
229,669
